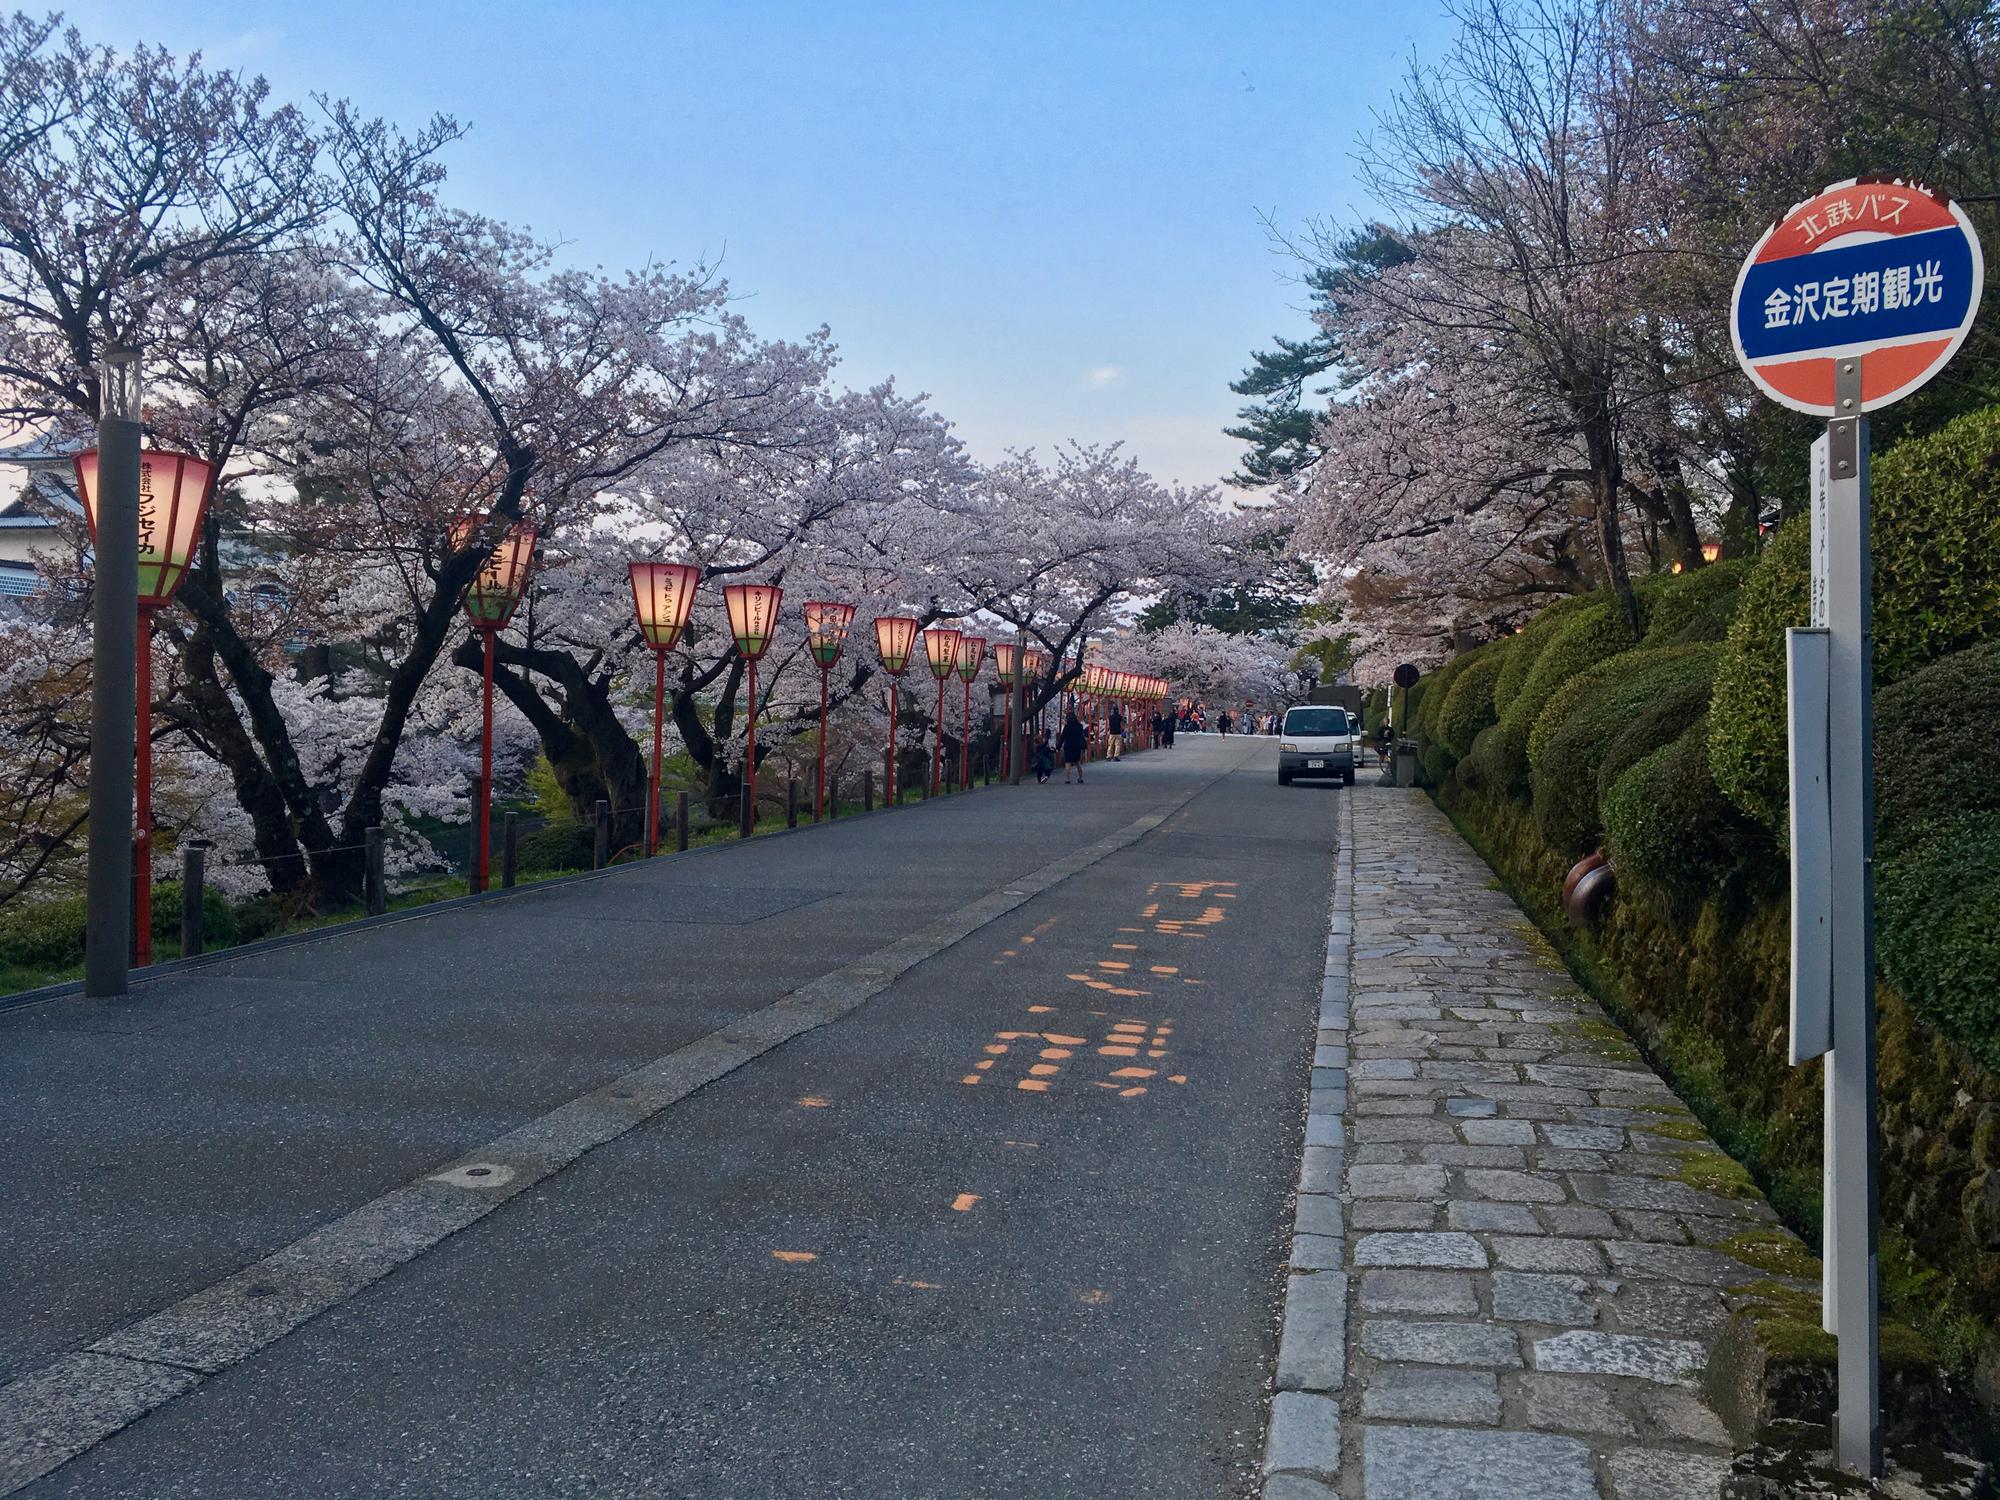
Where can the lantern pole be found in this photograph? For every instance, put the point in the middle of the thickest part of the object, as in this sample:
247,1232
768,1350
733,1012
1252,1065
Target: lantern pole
965,739
937,747
819,801
114,639
890,779
659,707
142,812
750,744
485,810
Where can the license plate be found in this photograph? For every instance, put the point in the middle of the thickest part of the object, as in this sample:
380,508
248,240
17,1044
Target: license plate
1315,765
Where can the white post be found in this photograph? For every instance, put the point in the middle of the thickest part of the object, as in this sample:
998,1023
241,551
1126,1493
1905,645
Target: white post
1850,1071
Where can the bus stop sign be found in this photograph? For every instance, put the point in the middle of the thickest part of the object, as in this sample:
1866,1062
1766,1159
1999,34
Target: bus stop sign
1881,268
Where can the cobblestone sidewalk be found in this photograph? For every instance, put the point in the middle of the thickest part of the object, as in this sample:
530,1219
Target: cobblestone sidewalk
1513,1241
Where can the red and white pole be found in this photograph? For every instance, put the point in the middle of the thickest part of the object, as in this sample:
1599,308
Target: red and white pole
965,742
659,714
889,789
819,800
937,749
750,744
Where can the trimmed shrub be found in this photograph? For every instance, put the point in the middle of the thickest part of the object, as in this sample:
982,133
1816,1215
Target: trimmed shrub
1668,824
43,934
218,918
1586,636
1468,705
1498,763
1525,646
1570,741
1695,607
559,846
1936,544
1934,752
1939,939
1671,713
1746,720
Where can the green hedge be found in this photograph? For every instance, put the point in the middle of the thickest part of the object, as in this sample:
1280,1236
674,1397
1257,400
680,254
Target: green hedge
49,934
1935,752
1468,703
1667,823
1938,930
1695,607
1595,710
1936,547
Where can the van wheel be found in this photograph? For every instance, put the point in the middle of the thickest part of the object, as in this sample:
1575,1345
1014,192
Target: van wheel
1347,777
1284,778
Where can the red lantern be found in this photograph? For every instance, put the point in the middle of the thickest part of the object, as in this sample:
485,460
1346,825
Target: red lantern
663,595
490,601
826,635
753,620
941,650
971,653
894,637
173,498
1006,666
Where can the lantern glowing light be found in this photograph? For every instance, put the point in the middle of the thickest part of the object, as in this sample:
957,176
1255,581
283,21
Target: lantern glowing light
941,650
497,589
971,654
895,635
663,594
1006,657
826,630
753,616
173,497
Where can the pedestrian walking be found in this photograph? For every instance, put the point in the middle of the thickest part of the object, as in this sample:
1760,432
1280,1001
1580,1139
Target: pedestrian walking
1167,731
1073,739
1222,721
1115,727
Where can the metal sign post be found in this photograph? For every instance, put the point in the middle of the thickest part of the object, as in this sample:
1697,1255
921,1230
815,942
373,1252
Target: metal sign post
1850,302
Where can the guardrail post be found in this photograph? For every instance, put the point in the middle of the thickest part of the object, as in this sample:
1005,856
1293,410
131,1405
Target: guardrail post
791,804
600,843
745,806
868,791
194,871
375,890
681,822
833,797
510,851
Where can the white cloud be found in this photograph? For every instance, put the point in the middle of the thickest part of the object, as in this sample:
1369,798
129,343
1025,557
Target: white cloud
1101,376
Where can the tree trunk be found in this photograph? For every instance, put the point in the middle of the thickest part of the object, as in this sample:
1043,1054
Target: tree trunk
1606,480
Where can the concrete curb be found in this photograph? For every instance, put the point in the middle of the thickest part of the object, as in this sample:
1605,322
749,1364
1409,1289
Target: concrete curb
1302,1443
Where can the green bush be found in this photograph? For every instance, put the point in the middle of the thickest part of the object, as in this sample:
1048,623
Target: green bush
1939,937
1695,607
1667,823
1498,763
1937,544
43,934
1525,646
1936,548
1672,712
1468,704
1570,741
558,846
1586,636
218,920
1746,741
1934,746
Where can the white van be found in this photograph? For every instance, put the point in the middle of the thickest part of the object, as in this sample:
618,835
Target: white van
1317,741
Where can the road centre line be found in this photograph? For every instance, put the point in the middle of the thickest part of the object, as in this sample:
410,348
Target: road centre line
70,1405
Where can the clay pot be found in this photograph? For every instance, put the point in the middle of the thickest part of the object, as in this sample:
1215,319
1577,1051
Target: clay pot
1577,871
1592,894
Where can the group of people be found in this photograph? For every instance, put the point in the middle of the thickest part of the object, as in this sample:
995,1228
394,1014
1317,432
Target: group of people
1070,744
1195,718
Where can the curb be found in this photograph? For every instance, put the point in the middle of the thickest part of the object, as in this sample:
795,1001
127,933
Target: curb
1302,1443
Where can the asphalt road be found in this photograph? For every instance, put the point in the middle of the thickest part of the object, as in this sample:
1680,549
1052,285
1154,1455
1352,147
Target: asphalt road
1014,1226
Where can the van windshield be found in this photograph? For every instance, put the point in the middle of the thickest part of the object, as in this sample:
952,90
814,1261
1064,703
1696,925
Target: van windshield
1316,721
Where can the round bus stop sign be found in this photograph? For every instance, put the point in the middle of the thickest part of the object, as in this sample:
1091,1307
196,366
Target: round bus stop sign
1884,269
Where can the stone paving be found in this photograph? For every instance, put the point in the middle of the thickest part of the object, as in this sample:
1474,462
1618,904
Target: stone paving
1513,1241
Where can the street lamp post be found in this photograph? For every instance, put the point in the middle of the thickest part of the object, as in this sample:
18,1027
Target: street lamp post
753,620
941,651
490,600
894,636
663,595
971,654
173,491
826,634
1006,667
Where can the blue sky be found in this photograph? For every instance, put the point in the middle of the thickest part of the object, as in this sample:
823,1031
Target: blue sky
1045,215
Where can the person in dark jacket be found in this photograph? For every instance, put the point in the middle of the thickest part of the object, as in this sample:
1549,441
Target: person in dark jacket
1073,737
1043,759
1115,725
